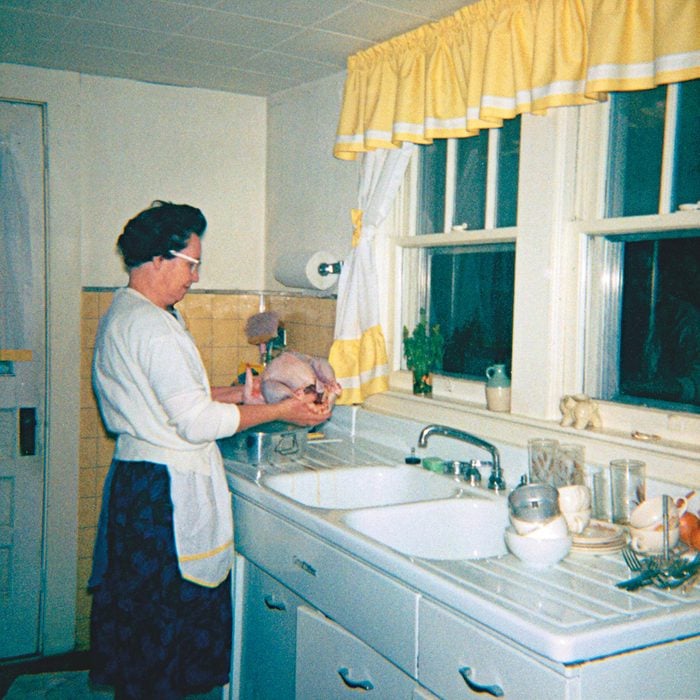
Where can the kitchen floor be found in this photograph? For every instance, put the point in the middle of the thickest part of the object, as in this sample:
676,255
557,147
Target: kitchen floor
62,677
54,677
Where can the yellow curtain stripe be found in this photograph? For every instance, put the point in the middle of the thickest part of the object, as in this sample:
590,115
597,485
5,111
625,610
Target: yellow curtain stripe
496,59
361,365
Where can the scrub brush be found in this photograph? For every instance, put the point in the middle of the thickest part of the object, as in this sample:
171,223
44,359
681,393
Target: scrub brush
260,329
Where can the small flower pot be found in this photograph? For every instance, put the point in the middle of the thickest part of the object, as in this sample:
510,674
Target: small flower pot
422,383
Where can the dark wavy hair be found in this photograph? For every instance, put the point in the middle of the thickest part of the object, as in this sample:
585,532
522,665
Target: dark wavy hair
162,227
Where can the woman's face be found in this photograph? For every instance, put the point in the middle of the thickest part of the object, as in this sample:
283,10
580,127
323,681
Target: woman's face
180,274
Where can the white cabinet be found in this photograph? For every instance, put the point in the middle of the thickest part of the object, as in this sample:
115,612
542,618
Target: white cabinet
668,671
457,659
332,663
356,596
268,646
317,622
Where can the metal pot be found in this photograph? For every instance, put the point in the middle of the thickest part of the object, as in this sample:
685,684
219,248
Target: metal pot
534,502
274,442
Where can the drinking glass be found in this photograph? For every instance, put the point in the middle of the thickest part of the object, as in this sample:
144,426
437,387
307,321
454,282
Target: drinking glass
541,453
598,482
569,465
627,488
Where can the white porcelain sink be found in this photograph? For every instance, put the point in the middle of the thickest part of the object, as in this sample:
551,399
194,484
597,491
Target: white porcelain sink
469,527
362,487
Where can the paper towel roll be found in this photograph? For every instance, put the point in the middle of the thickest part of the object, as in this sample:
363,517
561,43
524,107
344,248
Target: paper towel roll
300,269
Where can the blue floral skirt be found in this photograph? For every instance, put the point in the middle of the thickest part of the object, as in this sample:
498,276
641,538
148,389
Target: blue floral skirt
153,634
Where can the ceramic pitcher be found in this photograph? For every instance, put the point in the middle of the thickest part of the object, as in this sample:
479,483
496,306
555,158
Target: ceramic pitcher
496,376
497,388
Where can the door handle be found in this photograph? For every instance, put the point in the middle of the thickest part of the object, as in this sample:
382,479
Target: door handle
27,431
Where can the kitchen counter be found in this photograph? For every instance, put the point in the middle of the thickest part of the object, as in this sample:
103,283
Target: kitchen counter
568,614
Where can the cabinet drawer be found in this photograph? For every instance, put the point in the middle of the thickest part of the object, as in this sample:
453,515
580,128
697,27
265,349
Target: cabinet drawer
371,605
449,644
332,663
269,637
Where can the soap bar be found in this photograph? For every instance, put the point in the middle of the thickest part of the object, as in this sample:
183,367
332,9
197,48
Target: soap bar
434,464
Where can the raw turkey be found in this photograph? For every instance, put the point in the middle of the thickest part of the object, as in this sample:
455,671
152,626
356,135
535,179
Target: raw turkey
292,373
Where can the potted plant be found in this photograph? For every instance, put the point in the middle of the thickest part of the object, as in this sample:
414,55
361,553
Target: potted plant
423,350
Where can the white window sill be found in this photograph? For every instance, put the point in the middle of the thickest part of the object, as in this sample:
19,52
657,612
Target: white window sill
674,461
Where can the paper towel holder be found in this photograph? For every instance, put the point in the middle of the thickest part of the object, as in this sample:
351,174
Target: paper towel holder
328,268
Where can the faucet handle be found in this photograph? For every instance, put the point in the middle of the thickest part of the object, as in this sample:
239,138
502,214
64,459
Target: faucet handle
470,471
496,480
453,467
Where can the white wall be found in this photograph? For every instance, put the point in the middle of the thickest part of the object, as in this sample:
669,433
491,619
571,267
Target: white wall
113,146
142,142
59,93
309,192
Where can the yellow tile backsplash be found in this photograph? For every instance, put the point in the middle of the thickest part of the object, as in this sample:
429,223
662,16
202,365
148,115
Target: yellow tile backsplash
217,323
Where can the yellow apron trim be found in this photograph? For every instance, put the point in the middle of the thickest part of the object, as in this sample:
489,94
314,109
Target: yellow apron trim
207,555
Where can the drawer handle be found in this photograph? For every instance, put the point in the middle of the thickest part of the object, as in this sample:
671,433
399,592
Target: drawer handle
492,689
344,673
304,566
273,604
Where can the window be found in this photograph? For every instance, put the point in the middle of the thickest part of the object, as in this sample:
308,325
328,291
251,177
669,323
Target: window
463,254
643,317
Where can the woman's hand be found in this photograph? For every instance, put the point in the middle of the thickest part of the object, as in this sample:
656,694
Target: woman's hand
292,410
302,412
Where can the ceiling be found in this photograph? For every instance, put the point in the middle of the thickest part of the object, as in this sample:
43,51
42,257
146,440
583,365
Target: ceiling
253,47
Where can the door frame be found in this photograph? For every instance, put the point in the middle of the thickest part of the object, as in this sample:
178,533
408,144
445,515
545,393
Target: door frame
59,94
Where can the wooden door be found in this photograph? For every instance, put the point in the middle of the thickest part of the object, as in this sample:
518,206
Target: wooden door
22,375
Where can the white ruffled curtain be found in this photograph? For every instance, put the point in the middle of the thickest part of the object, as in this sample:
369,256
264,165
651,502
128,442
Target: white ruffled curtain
358,354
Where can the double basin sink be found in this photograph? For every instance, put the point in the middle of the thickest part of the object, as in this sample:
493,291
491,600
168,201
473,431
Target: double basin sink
411,510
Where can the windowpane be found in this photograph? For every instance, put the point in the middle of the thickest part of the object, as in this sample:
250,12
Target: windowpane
470,181
471,297
686,176
659,327
431,188
636,144
508,165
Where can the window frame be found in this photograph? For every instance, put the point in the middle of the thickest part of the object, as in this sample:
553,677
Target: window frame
560,204
412,258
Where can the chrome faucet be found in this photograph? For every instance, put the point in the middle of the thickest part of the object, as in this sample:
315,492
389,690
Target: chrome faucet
496,480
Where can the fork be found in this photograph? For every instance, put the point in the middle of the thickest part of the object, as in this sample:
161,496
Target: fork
631,559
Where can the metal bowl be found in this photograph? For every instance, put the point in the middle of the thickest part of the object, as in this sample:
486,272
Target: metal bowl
534,502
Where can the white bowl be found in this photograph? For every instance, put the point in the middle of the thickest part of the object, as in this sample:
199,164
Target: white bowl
536,553
554,529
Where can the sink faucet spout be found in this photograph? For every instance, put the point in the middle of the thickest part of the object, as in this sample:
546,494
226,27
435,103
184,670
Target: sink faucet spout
496,480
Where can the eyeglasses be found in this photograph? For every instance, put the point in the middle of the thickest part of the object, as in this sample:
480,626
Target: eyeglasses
194,263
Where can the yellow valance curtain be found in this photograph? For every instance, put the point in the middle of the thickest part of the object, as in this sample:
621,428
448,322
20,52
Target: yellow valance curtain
496,59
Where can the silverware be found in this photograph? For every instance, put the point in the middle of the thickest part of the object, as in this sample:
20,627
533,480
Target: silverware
631,559
667,576
690,583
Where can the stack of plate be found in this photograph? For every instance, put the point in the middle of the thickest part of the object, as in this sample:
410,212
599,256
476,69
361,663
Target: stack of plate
600,537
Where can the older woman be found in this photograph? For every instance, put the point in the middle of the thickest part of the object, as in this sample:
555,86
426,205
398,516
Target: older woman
161,614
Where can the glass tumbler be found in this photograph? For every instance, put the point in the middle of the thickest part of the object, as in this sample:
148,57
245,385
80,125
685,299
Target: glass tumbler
597,480
569,466
627,488
542,454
